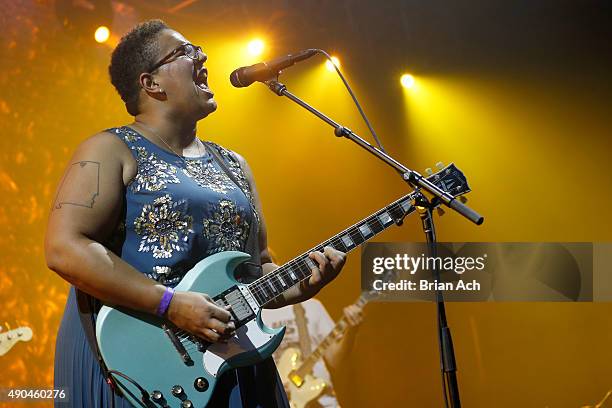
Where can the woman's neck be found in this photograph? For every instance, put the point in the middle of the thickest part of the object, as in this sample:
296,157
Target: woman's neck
178,135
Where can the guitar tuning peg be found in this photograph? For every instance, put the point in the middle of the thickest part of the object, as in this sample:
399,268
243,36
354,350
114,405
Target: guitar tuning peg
463,199
429,171
439,165
440,211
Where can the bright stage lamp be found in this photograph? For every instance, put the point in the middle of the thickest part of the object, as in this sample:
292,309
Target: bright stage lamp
407,81
255,47
329,64
102,34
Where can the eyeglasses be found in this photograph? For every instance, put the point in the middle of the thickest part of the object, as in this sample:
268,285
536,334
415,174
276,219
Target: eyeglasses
187,49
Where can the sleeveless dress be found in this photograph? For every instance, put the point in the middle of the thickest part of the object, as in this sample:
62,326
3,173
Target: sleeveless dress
176,212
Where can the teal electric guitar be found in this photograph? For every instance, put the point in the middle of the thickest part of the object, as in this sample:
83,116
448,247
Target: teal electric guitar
176,369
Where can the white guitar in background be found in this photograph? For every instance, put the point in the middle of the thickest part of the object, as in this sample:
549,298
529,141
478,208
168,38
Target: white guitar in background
9,338
296,370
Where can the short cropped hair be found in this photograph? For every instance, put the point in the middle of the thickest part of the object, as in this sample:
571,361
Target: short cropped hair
136,53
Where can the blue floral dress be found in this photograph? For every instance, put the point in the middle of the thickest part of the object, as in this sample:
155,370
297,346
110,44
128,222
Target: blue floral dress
177,211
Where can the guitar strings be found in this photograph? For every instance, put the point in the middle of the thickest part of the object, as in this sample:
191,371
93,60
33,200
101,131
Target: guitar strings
283,271
299,259
257,288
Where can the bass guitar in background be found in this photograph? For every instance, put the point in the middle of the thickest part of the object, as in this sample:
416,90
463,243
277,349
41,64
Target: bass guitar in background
304,371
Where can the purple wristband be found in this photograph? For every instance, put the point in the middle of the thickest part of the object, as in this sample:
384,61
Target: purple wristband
165,301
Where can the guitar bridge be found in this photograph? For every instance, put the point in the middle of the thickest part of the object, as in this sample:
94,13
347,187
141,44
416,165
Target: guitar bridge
180,348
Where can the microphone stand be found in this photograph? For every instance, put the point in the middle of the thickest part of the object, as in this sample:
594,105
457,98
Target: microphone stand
424,206
448,366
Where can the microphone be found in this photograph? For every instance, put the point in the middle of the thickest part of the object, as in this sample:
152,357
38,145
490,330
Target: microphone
263,71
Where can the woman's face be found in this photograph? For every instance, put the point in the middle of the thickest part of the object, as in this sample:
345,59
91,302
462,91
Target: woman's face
183,79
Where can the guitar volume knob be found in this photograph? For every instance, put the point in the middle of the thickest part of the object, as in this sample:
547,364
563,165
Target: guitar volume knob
200,384
178,392
186,404
158,397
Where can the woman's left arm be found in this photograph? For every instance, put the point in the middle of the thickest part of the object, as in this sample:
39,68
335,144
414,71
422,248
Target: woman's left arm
330,261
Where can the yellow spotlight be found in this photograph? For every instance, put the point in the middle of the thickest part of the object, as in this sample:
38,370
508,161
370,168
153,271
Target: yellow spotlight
102,34
407,81
255,47
335,61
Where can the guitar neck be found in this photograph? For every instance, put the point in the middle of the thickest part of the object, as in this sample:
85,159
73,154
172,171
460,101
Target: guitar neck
333,336
275,283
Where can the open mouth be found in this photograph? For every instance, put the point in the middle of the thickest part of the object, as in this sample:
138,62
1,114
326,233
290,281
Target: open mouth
201,80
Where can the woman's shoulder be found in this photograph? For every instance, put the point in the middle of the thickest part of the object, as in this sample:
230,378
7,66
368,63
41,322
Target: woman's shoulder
108,147
112,138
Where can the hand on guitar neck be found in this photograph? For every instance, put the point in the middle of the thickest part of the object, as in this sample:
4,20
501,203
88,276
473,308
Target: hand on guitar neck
338,352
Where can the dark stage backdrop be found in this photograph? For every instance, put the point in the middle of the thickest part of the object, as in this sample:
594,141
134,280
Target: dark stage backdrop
517,94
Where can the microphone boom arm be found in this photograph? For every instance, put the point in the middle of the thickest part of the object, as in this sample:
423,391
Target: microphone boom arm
410,176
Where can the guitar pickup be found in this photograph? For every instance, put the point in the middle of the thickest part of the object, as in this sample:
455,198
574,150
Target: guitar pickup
240,310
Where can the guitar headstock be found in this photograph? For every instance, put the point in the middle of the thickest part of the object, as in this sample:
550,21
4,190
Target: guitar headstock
9,338
450,179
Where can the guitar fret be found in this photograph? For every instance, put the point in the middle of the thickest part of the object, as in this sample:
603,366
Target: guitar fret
303,269
396,212
306,266
365,230
347,241
276,282
269,281
405,205
376,225
264,292
356,236
385,219
257,294
310,263
334,243
292,275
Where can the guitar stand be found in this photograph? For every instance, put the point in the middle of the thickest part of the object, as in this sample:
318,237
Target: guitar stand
416,180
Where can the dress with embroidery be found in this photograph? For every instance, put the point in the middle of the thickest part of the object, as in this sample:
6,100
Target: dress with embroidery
177,211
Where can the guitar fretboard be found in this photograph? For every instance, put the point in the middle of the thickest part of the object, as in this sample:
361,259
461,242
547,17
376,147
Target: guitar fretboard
300,268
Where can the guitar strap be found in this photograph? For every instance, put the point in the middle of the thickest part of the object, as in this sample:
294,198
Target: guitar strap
247,271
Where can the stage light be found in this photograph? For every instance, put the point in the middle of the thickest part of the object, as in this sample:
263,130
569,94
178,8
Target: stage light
329,64
407,81
102,34
256,47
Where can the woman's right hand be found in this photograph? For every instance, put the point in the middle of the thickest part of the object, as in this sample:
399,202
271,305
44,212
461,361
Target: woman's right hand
198,314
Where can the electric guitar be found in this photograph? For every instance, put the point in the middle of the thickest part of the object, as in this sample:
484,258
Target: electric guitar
10,338
296,373
166,366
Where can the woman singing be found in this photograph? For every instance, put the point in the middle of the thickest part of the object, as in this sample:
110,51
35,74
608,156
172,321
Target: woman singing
140,205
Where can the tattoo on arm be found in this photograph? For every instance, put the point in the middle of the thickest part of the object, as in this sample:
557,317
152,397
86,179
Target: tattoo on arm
83,180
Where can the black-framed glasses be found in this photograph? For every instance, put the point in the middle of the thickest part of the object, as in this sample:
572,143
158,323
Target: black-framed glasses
187,49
